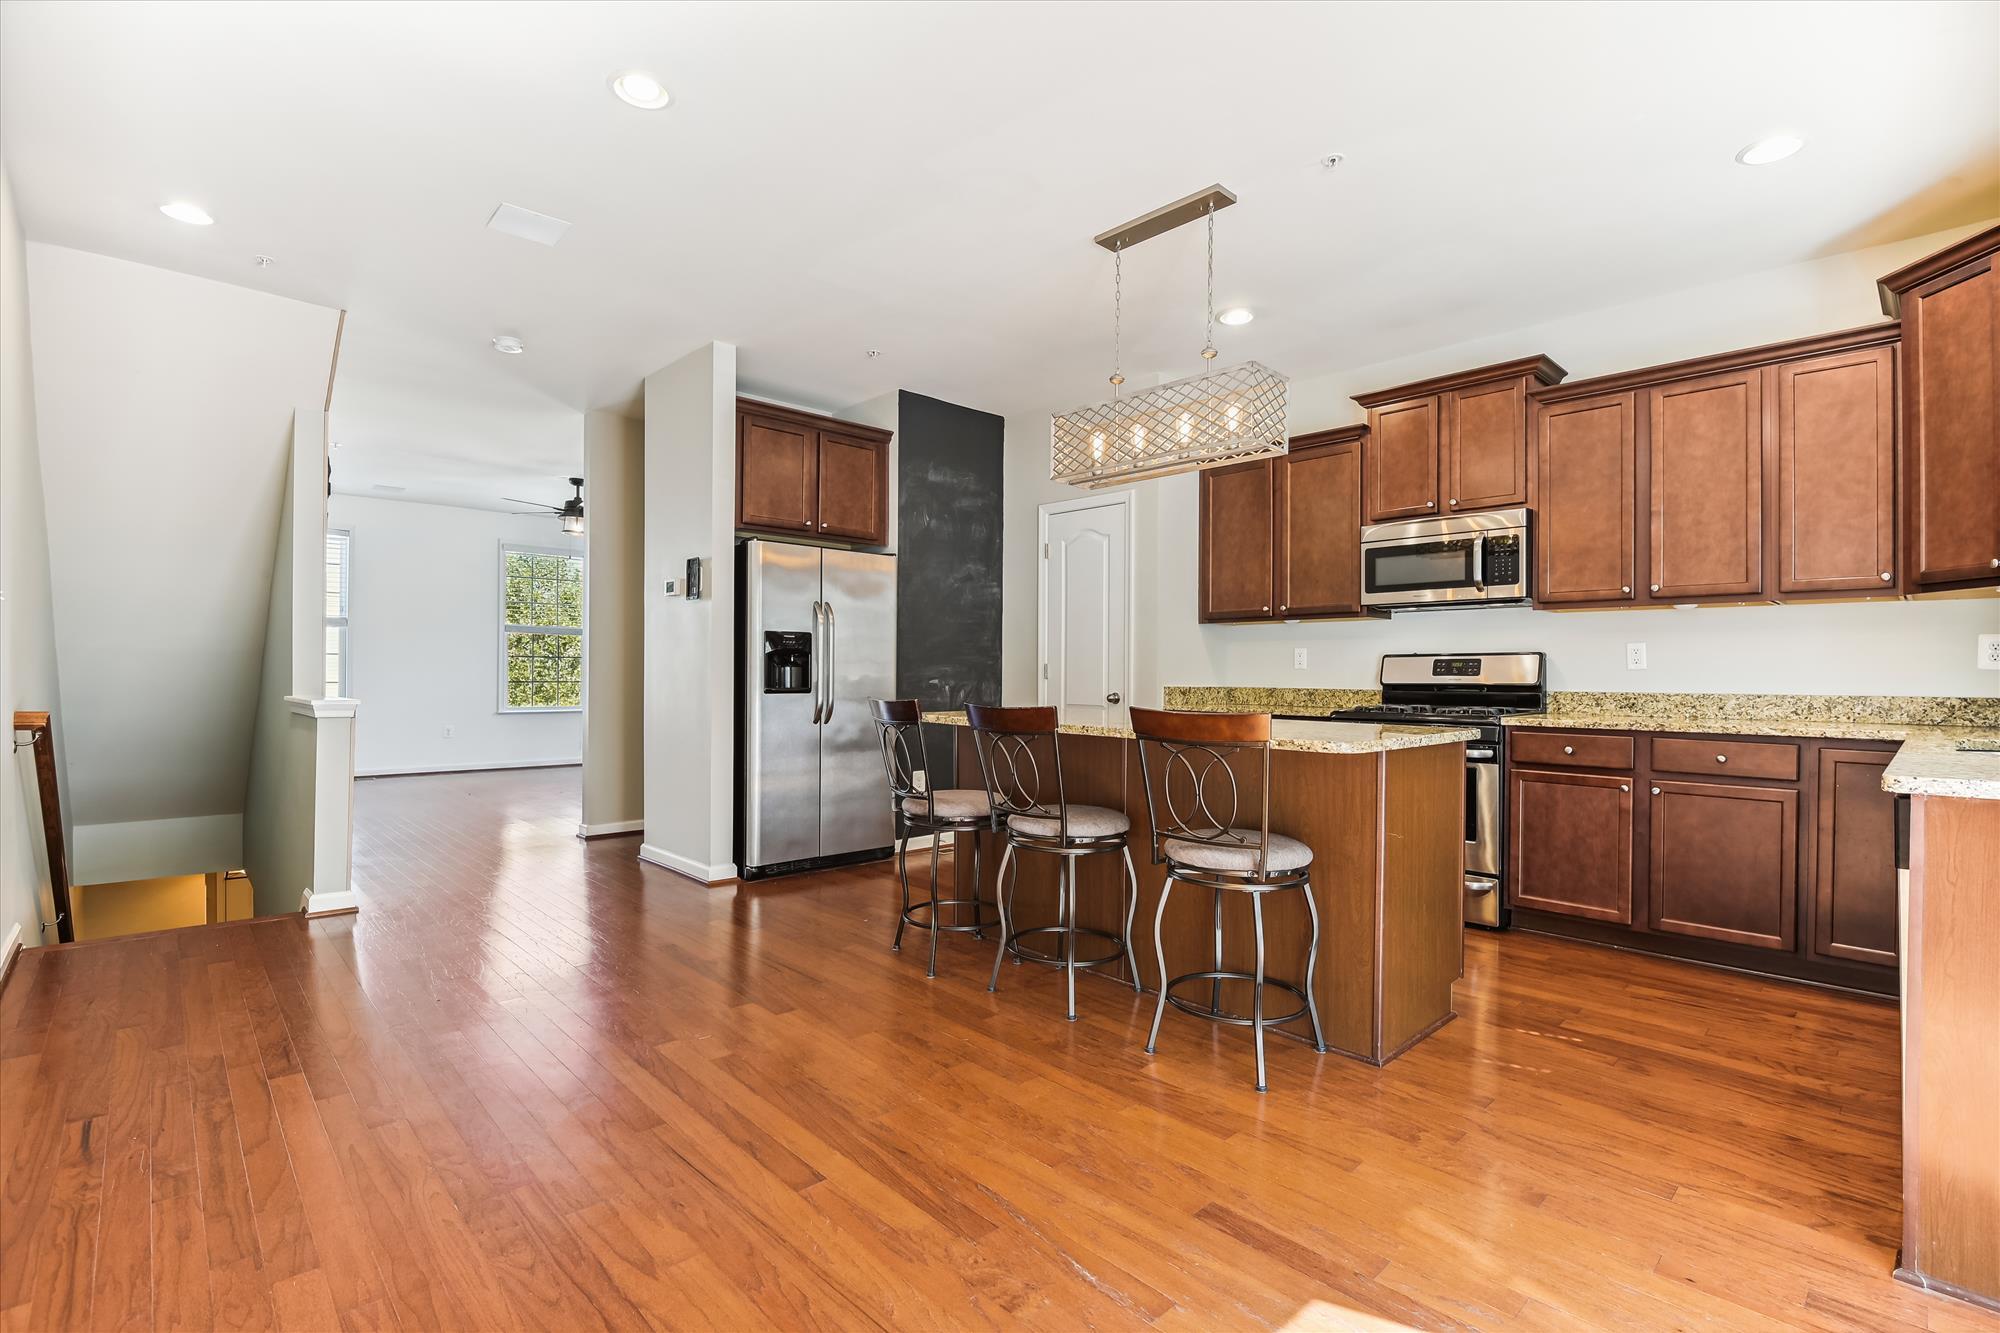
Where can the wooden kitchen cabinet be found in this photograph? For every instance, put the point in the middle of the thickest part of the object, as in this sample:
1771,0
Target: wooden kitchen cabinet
1453,444
1587,455
1570,846
798,473
1280,538
1724,862
1836,504
1854,859
1950,308
1706,450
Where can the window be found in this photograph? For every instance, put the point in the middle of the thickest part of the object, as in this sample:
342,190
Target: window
335,684
542,629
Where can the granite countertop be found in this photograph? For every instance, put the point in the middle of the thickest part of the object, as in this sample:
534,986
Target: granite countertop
1931,729
1312,737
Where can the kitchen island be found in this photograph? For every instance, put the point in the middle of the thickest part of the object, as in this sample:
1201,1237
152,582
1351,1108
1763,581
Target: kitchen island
1382,807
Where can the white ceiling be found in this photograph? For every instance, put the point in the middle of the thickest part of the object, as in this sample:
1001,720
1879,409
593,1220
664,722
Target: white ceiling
925,180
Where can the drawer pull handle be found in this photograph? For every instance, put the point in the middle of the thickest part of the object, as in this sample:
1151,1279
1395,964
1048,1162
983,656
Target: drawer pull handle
1722,759
1569,749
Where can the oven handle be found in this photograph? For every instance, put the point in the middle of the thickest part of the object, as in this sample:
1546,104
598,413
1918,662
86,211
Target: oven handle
1479,754
1479,562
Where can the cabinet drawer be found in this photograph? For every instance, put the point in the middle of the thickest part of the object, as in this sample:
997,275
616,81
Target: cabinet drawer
1571,749
1742,759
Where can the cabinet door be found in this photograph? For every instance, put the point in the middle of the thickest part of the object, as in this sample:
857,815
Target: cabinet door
1725,862
1319,531
1571,849
777,474
1836,514
1486,447
1402,460
1951,427
1854,859
1707,451
1586,489
1237,546
853,488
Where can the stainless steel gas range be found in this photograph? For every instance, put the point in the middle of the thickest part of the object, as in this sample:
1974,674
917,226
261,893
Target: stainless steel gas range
1467,690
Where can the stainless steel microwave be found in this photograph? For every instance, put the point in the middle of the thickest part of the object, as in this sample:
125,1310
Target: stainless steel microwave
1459,559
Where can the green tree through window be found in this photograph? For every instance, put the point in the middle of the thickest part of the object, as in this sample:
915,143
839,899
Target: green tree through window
543,632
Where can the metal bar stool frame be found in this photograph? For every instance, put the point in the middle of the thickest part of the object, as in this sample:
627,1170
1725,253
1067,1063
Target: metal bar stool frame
916,815
1198,801
1004,739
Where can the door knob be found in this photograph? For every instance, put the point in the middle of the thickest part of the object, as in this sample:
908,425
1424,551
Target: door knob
1114,697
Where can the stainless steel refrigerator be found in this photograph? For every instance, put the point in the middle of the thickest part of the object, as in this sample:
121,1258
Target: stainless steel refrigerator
818,642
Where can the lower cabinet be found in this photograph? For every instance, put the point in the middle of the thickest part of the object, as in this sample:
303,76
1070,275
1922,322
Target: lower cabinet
1779,857
1725,862
1571,839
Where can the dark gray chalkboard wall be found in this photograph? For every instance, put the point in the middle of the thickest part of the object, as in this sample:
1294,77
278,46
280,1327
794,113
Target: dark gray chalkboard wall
948,514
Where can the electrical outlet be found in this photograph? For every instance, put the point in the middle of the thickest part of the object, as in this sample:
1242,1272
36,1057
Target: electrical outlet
447,731
1635,657
1989,652
1298,659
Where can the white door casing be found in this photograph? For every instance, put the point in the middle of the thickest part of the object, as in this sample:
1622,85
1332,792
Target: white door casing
1086,609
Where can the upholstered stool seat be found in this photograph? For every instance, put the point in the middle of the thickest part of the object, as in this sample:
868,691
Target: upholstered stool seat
1085,821
1283,853
951,803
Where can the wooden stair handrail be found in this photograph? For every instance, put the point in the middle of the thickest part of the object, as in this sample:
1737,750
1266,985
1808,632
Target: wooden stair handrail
37,727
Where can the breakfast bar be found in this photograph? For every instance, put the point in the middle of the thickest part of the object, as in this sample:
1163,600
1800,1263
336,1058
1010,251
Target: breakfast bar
1383,809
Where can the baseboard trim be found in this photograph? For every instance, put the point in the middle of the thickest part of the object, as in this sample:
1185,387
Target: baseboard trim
610,830
685,866
329,904
423,770
9,952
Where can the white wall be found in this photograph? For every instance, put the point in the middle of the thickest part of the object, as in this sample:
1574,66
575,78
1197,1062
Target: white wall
27,617
164,405
690,742
1918,647
614,648
424,608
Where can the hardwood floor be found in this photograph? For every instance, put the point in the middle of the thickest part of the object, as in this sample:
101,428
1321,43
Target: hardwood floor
535,1084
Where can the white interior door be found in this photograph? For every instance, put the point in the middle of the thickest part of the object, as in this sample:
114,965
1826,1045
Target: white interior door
1086,609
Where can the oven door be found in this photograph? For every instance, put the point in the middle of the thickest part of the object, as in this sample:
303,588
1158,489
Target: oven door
1420,570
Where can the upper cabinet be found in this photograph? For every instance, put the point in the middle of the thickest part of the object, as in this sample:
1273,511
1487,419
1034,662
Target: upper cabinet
1452,444
1766,474
1950,307
798,473
1280,537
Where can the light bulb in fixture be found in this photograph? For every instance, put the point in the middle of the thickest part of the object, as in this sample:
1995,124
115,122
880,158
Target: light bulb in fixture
1138,439
1187,427
635,87
1234,415
508,344
573,524
1237,315
1097,447
1773,148
180,210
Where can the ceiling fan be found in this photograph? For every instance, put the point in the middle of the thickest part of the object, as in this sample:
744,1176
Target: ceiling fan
570,511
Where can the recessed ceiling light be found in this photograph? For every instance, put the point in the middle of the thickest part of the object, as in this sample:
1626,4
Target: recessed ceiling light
1332,160
874,354
1237,315
182,211
638,88
1775,148
509,344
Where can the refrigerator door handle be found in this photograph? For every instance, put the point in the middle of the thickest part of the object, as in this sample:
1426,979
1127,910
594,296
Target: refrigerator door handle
832,651
816,664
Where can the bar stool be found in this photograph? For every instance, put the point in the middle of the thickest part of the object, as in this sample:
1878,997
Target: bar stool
1194,816
921,810
1005,740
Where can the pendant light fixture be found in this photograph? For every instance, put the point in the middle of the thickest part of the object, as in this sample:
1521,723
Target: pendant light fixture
1215,417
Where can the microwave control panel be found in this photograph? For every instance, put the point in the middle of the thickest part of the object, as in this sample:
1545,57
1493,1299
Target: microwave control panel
1503,561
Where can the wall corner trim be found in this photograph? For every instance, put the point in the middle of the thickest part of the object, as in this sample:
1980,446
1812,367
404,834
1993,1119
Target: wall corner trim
686,866
329,904
321,707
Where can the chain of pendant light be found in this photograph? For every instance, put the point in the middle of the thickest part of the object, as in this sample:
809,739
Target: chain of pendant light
1118,307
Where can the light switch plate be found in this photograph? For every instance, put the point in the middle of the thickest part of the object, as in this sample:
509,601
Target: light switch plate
1298,659
1989,652
1635,657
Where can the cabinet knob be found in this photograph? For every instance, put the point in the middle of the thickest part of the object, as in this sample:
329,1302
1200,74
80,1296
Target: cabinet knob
1430,504
1283,606
1454,504
1722,759
1887,577
1267,608
1994,563
1656,587
1569,749
1627,589
1656,791
1624,786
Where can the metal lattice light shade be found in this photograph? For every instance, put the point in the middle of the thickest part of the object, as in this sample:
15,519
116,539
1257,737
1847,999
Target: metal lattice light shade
1223,416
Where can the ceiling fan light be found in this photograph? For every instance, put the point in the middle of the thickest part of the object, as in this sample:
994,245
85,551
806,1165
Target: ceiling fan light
573,524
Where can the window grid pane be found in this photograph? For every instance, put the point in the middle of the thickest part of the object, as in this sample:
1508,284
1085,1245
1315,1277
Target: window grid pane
542,596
